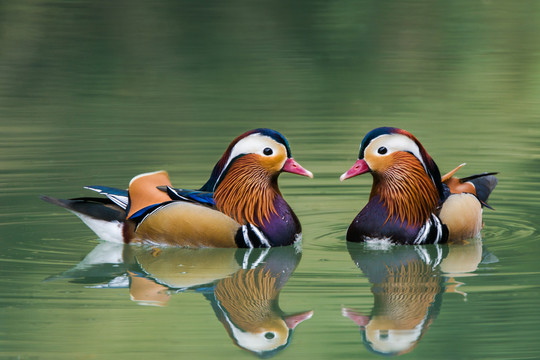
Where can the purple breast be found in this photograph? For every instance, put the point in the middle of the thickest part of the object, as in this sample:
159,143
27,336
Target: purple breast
282,227
372,222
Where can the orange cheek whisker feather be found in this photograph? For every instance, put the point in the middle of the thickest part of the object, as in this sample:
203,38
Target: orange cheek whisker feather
406,191
247,196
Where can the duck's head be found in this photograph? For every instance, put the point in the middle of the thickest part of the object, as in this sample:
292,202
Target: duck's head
269,337
263,149
386,148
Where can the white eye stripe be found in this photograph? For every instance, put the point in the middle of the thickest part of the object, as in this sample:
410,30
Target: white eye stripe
395,142
252,144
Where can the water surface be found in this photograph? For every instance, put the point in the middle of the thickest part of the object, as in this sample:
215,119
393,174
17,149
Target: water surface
97,92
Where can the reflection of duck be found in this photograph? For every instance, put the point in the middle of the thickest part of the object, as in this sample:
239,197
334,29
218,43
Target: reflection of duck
463,258
410,203
239,206
243,287
247,305
407,288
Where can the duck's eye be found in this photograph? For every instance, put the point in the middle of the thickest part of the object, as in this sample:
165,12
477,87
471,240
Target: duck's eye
269,335
268,151
382,150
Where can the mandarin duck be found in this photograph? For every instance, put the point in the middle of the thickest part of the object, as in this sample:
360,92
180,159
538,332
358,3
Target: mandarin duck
247,303
410,203
407,287
239,206
242,286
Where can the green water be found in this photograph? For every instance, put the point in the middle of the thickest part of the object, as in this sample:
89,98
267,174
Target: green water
95,92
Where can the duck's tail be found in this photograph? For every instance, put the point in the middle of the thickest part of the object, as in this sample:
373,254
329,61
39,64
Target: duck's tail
101,215
484,184
481,185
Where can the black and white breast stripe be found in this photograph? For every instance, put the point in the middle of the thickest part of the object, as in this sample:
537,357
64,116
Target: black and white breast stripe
430,257
253,258
433,232
249,236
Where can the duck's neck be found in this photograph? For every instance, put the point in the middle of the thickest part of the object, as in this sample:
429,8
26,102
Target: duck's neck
407,191
247,193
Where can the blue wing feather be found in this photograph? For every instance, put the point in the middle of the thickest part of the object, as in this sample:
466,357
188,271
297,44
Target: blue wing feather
139,215
120,197
197,196
194,196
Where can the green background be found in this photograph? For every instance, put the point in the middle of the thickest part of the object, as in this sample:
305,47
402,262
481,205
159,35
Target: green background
95,92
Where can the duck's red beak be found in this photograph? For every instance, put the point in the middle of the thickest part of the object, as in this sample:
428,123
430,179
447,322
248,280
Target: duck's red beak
359,167
292,321
295,168
359,319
